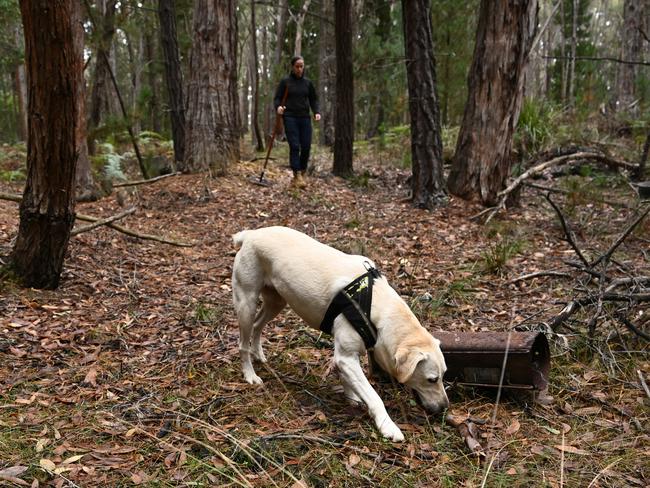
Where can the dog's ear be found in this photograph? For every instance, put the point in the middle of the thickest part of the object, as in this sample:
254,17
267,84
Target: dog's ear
406,360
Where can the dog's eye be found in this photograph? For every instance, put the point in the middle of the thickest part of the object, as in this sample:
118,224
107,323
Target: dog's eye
432,380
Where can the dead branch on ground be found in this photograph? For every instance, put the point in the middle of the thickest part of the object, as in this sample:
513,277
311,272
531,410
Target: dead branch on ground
100,222
597,271
144,182
558,157
109,223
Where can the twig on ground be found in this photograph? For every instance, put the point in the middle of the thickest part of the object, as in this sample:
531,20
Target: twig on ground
119,228
139,235
144,182
567,231
537,274
644,385
632,327
605,257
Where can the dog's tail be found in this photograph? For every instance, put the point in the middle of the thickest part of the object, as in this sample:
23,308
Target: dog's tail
238,238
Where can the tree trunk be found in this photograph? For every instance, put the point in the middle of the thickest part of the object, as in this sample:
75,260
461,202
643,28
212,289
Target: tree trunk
278,65
571,95
173,76
54,72
344,112
103,93
259,141
212,128
481,163
150,57
86,188
300,22
326,74
21,89
632,49
427,184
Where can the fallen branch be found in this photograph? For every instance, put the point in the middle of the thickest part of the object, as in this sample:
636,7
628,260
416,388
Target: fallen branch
133,233
581,154
537,274
567,231
144,182
101,222
632,327
119,228
11,197
605,257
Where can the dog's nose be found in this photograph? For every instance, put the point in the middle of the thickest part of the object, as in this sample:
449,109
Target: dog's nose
435,409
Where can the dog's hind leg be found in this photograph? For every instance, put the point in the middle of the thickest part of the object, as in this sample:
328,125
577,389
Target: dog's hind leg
272,305
245,295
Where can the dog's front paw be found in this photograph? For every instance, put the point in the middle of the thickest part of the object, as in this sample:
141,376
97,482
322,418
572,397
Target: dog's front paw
391,431
253,379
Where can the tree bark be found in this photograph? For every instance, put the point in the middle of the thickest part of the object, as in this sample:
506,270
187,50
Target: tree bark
173,76
344,113
54,72
481,163
212,113
427,184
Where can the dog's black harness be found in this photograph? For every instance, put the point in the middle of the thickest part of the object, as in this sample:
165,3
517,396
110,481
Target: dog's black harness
354,303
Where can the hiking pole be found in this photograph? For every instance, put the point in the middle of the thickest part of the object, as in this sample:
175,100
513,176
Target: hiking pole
273,134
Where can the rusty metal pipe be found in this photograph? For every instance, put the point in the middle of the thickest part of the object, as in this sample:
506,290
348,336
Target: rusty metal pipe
476,358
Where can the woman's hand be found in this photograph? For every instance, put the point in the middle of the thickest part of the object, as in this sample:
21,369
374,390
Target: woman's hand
281,110
316,117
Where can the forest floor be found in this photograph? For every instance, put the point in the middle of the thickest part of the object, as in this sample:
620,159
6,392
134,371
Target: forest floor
128,374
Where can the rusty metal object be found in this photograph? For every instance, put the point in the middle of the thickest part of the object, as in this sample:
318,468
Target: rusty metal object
476,358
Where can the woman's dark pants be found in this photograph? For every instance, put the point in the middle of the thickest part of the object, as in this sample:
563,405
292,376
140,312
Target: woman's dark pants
298,132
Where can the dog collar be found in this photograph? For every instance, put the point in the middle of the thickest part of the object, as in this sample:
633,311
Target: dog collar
354,302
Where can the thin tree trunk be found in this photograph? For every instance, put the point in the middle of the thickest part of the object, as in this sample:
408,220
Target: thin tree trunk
173,77
259,146
278,64
427,183
300,22
21,88
632,50
212,113
102,92
327,74
152,81
54,72
86,188
482,160
344,112
572,62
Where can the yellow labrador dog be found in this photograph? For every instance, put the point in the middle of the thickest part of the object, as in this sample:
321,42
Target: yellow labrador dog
284,266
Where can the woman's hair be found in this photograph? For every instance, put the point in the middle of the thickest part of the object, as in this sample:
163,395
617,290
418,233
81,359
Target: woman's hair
296,58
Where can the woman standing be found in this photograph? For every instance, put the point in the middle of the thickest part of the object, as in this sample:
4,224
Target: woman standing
300,98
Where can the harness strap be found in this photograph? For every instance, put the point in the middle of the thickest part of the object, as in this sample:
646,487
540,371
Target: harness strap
354,302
